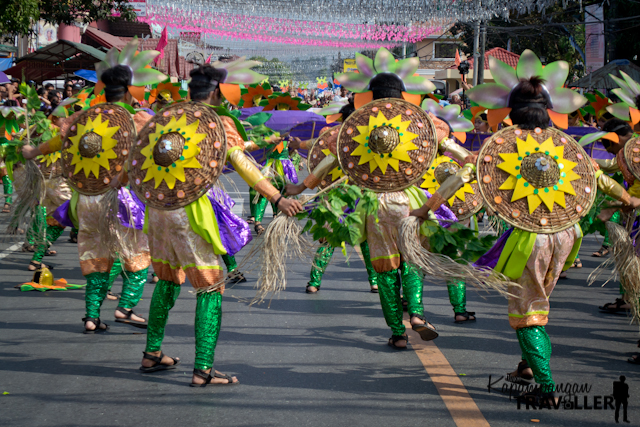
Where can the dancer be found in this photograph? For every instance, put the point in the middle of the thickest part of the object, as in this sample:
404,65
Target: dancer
94,152
465,203
540,181
318,150
181,155
396,193
7,187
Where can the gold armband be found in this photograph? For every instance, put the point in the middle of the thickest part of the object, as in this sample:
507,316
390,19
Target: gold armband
611,188
607,165
458,151
250,146
250,173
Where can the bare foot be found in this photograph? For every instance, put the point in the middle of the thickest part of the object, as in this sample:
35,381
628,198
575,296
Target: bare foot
312,289
197,380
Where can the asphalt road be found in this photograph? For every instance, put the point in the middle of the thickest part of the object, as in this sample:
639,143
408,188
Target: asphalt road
305,360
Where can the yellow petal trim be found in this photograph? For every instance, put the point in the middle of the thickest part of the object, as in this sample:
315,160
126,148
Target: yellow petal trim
92,165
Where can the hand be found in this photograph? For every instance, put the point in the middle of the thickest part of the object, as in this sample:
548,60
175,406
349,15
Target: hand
606,214
115,182
290,207
471,158
294,189
635,202
30,152
273,139
422,213
466,86
295,143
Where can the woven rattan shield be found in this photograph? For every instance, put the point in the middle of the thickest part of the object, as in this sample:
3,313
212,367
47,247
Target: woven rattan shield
387,145
178,156
96,148
536,180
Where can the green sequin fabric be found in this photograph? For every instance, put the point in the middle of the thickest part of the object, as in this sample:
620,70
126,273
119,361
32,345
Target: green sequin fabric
319,266
389,292
412,289
230,262
371,272
536,350
132,287
53,233
95,293
458,296
8,189
207,328
164,298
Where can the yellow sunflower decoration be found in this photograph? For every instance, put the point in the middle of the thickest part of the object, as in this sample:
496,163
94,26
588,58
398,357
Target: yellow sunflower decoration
431,183
92,147
380,125
336,173
177,140
538,172
49,159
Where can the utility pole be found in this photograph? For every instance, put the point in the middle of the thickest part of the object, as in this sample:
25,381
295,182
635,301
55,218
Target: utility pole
483,43
476,42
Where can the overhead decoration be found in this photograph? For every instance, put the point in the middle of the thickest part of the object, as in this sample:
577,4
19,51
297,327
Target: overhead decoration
495,96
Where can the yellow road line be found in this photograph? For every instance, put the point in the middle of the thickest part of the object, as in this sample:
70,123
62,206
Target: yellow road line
461,406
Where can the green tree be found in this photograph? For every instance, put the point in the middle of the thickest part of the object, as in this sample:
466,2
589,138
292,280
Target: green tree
18,16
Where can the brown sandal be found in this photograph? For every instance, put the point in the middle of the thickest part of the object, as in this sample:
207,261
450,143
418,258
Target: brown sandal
603,251
7,208
259,228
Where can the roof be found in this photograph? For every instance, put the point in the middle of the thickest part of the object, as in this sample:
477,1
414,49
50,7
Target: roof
503,55
55,59
103,39
600,79
122,28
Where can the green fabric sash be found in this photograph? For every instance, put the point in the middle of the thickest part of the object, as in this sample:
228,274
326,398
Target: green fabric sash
516,253
73,209
203,222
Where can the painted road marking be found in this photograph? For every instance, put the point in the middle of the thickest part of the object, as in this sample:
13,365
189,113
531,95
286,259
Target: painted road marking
10,249
461,406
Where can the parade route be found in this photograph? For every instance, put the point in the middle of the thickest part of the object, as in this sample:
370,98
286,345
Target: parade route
302,360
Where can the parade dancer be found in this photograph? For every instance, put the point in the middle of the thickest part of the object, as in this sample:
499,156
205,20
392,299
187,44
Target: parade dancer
180,156
540,181
94,153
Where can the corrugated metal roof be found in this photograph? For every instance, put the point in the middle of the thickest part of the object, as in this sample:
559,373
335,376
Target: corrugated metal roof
600,79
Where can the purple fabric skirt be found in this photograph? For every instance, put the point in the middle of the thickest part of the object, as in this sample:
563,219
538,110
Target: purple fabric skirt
235,233
490,259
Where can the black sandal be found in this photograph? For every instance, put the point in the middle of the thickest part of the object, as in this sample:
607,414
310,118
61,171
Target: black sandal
73,236
634,360
128,320
7,208
521,378
28,248
373,290
38,266
395,338
614,307
207,377
251,220
259,228
159,366
236,277
312,292
426,330
466,316
49,252
603,251
96,321
405,304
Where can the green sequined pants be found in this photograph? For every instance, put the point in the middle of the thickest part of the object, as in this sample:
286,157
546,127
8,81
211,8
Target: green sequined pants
164,298
373,277
536,350
323,256
7,186
207,328
230,262
389,284
257,209
37,227
458,296
95,292
53,233
319,266
116,270
132,287
615,218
